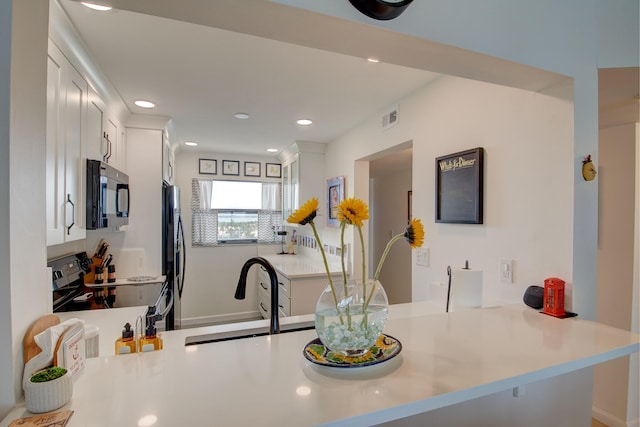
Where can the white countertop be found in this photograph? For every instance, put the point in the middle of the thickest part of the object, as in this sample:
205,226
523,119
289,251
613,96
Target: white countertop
447,358
110,323
127,282
297,266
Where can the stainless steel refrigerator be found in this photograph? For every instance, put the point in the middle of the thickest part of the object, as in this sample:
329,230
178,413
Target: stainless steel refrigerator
173,254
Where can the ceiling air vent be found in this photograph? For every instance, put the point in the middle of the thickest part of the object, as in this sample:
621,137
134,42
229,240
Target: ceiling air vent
390,119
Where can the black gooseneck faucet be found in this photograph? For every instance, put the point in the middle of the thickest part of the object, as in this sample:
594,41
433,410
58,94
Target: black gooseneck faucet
274,327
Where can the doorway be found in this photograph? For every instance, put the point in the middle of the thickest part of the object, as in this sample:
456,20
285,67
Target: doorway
390,184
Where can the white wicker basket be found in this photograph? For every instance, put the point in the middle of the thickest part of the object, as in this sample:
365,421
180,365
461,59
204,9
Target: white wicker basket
50,395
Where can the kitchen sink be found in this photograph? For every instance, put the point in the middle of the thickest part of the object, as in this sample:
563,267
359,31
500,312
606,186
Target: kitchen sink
247,333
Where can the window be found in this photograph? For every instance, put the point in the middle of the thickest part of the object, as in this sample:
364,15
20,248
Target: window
234,212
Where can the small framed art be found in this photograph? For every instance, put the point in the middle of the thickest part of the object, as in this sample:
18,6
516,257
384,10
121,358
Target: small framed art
230,167
208,167
251,169
335,195
274,170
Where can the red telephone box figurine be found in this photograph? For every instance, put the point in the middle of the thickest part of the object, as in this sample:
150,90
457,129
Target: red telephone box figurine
553,297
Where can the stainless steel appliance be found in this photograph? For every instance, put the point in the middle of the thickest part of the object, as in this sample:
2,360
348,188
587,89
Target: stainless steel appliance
107,196
173,253
69,291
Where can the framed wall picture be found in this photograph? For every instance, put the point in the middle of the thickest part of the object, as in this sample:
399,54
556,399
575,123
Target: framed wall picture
230,167
274,170
251,169
335,195
459,187
208,167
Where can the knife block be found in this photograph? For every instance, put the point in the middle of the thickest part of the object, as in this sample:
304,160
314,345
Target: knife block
90,276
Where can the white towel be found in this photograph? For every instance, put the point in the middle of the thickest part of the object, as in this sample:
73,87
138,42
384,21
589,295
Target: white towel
47,341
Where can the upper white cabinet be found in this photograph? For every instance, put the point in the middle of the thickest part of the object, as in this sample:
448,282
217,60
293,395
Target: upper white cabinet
302,176
167,159
67,99
105,134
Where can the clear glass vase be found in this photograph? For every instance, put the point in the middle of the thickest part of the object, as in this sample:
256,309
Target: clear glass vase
350,318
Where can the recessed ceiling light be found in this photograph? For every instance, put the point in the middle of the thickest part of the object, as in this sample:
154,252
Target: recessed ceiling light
144,104
191,143
94,6
241,116
304,122
272,150
372,59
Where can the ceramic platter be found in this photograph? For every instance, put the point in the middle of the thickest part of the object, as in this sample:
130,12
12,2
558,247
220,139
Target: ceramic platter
385,348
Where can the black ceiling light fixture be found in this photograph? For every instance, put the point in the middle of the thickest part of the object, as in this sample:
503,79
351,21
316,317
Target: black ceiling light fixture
380,9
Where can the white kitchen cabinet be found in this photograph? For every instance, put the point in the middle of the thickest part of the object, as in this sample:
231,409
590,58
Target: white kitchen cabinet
67,98
105,134
302,176
167,159
296,296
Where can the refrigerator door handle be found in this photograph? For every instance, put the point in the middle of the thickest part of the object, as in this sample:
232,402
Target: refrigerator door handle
184,256
165,294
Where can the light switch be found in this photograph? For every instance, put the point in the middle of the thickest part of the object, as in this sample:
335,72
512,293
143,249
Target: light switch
506,270
422,257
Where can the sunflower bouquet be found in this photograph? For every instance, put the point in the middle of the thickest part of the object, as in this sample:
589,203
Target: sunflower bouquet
357,313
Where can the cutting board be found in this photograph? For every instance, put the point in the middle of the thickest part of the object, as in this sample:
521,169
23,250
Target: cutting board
29,347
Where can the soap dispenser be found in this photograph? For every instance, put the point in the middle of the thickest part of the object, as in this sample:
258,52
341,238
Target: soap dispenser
151,339
126,344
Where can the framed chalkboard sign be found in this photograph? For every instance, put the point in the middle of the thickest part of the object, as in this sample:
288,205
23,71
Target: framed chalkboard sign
459,187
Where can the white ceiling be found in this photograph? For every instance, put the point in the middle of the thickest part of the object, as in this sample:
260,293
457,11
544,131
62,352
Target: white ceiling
201,76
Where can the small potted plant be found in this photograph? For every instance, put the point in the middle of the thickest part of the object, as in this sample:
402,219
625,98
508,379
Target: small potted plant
48,389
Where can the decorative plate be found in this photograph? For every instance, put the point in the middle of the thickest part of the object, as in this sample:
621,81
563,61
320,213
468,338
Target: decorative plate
386,347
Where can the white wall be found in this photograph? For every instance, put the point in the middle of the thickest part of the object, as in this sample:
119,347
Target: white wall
616,382
572,39
388,212
7,351
528,213
212,273
25,293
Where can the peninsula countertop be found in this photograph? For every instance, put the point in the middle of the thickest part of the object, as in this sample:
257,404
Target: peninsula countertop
447,358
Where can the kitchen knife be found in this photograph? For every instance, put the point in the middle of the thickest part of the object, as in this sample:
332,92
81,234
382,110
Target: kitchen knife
107,260
98,248
103,251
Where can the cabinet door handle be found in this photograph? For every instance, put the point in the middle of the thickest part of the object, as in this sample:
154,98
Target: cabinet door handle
263,307
281,284
107,155
73,214
263,286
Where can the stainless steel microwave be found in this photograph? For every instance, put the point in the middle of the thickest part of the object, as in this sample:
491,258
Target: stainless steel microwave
107,196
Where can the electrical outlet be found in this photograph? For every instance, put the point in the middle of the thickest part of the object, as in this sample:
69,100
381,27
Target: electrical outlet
506,270
422,257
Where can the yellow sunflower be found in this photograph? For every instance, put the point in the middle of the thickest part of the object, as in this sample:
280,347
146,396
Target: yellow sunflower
305,214
353,211
415,233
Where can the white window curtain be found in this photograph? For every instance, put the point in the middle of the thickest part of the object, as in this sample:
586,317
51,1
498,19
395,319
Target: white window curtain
271,199
204,220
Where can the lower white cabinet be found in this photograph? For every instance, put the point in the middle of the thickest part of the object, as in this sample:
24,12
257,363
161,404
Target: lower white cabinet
67,97
296,296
